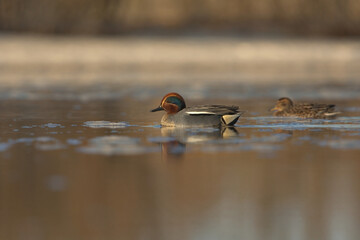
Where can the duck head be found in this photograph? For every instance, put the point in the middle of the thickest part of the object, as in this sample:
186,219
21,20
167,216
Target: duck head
283,104
171,103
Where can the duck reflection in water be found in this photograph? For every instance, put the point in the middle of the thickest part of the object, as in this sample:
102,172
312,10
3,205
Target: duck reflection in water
178,137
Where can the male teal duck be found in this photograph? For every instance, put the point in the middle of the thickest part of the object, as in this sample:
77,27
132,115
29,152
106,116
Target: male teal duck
286,108
178,115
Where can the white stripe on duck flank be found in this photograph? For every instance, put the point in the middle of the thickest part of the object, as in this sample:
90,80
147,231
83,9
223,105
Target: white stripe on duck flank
199,113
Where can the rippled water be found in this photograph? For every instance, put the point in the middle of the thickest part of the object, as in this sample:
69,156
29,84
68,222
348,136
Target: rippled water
101,167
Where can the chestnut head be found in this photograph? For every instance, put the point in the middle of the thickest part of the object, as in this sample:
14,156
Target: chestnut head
171,103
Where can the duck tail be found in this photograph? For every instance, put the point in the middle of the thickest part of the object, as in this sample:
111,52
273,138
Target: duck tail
230,120
331,114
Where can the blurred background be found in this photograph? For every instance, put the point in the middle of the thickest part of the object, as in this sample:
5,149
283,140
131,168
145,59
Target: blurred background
79,42
319,17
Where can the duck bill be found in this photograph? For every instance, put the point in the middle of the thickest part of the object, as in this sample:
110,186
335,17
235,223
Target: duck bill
274,109
157,109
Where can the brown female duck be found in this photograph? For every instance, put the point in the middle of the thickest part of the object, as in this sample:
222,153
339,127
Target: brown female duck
286,108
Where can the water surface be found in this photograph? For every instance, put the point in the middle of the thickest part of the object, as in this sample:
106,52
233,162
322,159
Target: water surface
88,164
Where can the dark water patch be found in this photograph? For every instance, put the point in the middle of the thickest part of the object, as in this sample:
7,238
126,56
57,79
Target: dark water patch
305,138
153,126
265,130
77,107
353,134
315,130
161,139
273,138
57,183
352,109
278,137
261,147
202,130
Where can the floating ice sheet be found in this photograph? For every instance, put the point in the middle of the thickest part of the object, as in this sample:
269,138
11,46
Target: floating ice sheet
105,124
115,145
343,123
41,143
341,143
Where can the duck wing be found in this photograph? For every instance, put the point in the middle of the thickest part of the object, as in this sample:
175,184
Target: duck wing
315,110
317,107
213,110
214,115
